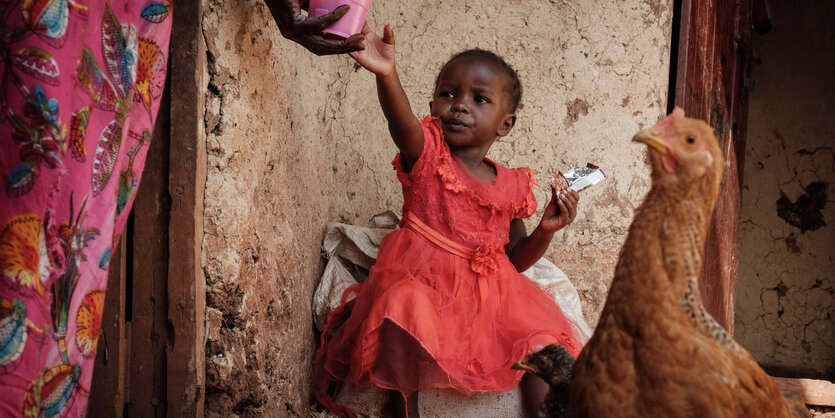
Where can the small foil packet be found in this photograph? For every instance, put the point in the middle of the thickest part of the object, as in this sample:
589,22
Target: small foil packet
577,178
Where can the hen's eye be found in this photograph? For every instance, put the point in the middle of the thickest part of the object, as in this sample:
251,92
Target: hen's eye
691,139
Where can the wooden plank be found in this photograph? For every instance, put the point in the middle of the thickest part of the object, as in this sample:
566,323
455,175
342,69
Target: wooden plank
726,113
149,331
711,87
126,360
683,52
816,392
715,282
187,178
108,386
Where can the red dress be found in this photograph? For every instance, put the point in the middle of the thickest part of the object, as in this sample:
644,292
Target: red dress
443,306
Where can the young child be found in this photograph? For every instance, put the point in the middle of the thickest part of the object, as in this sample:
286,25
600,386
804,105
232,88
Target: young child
445,305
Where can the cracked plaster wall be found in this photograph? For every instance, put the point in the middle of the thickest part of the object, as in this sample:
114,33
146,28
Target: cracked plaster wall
296,141
785,313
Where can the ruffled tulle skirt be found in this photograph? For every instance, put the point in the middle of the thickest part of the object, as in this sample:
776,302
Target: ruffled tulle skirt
424,318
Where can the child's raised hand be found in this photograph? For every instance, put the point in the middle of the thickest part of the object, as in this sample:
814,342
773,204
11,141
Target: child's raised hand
560,211
378,55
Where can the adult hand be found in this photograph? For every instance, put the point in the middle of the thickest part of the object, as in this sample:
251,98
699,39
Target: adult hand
561,210
307,31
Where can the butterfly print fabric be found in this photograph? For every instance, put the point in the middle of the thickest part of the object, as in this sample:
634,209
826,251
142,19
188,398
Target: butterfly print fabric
81,86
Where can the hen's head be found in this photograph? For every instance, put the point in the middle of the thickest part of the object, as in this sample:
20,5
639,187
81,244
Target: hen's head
552,364
683,152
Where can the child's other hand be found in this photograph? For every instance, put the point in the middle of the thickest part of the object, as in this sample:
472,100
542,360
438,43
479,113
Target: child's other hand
378,53
560,211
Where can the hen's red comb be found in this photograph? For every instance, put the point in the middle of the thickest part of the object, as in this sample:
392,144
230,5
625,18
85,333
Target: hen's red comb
675,115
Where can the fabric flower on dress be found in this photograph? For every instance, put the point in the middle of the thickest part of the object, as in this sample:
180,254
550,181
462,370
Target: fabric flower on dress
486,259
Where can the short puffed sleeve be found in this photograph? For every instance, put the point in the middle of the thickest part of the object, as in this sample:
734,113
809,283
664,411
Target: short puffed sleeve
527,205
428,160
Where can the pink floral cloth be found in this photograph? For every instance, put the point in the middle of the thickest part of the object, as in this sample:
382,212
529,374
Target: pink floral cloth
81,82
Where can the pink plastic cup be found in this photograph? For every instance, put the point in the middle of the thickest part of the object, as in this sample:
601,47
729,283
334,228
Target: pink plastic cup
349,24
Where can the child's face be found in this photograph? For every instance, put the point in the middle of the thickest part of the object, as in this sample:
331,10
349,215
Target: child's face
472,103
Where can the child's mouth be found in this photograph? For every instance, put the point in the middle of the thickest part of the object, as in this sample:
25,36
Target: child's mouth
455,124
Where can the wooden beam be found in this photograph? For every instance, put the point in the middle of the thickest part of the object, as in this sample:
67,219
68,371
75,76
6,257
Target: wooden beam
149,322
187,178
107,394
816,392
710,78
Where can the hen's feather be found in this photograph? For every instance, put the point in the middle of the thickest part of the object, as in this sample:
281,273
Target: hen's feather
656,351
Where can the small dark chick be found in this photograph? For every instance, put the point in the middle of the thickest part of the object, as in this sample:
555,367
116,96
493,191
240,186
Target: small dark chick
552,364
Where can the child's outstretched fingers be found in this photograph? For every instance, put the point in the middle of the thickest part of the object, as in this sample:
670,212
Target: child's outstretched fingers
388,35
378,53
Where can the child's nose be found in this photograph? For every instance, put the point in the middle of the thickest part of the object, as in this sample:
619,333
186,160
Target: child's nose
459,106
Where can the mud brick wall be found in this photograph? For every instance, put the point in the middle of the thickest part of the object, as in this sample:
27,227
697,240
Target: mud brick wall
785,312
296,141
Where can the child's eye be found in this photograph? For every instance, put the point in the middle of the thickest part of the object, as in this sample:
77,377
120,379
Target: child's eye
446,94
482,99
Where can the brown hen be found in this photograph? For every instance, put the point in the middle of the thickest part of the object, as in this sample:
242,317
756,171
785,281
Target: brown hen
656,352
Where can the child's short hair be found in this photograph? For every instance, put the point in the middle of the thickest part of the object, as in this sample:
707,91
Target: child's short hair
514,88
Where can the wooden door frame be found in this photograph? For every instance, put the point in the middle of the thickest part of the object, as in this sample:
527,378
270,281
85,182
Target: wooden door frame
151,352
186,372
710,69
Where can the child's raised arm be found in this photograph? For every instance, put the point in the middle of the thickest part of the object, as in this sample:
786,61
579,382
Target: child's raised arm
378,57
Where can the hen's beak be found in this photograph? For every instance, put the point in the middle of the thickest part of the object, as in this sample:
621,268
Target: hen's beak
652,138
521,365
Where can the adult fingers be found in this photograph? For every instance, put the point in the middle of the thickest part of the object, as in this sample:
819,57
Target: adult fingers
355,40
316,24
322,45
